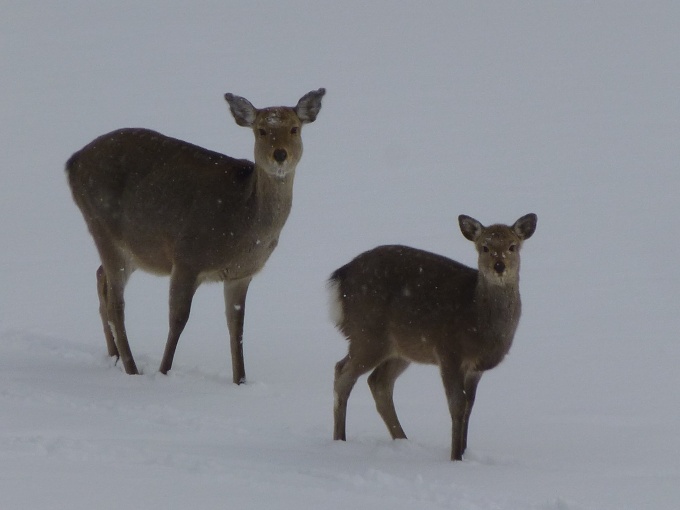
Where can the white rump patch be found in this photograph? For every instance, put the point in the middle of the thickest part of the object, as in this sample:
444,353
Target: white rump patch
335,310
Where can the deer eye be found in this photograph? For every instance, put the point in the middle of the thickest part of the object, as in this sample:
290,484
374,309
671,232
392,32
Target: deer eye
262,132
294,130
512,247
485,249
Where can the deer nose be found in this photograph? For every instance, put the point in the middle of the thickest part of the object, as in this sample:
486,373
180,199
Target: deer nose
499,267
280,155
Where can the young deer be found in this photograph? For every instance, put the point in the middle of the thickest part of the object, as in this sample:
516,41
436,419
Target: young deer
398,305
171,208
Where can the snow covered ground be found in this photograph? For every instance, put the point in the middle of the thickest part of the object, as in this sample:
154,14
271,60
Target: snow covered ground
569,110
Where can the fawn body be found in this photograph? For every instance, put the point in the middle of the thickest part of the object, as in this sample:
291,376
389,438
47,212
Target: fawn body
398,305
168,207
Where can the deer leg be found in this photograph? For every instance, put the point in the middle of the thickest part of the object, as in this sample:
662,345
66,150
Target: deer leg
471,382
455,395
346,374
113,282
183,284
235,305
345,379
102,290
381,382
112,276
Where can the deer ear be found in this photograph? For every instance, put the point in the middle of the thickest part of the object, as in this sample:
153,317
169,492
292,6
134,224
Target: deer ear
243,111
309,105
470,227
525,226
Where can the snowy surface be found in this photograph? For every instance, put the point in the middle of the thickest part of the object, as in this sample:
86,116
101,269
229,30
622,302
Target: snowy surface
566,109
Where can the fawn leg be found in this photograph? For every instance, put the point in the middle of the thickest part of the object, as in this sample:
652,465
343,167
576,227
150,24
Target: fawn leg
381,382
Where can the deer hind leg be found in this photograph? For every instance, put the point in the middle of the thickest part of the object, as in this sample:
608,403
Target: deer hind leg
368,348
470,388
346,376
381,382
112,284
183,284
235,307
112,276
102,290
347,371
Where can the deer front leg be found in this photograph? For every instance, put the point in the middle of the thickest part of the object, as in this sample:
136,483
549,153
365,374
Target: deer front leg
455,396
471,382
235,304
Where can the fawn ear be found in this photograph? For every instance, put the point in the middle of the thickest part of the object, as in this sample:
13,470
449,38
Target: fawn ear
309,105
470,227
243,111
525,226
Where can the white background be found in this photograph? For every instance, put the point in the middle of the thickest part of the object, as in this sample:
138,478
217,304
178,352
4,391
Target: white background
570,110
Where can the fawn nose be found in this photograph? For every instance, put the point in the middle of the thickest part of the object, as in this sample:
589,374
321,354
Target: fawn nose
499,267
280,155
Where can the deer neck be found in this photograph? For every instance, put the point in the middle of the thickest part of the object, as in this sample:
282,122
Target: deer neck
272,200
498,311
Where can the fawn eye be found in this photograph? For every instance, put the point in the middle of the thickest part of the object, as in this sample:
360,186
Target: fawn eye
294,130
262,132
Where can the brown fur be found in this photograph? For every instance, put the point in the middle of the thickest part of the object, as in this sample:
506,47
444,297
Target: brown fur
168,207
398,305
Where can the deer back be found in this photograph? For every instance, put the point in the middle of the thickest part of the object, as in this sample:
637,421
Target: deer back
165,201
413,303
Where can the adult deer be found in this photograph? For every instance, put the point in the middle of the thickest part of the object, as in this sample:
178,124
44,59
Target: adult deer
398,305
168,207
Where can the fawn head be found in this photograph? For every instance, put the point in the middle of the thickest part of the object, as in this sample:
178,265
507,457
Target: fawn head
278,144
498,246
